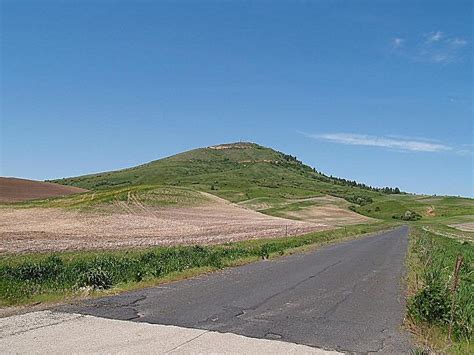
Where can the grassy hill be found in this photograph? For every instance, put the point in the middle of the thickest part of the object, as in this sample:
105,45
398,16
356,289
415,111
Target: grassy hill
271,182
236,172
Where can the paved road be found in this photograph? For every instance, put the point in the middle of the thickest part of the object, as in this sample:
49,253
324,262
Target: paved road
345,297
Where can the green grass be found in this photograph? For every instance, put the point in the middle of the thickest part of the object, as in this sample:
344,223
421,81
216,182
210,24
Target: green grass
234,174
388,206
431,261
33,278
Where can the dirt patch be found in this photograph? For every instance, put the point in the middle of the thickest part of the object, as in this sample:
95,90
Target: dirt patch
241,145
330,215
465,227
15,190
431,211
53,229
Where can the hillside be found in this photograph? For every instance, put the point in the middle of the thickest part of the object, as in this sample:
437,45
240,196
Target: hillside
237,172
274,183
15,190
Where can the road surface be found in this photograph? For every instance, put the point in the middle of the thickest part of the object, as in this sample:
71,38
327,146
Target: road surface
346,297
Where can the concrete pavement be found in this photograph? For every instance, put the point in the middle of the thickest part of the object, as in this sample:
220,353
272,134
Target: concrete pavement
49,332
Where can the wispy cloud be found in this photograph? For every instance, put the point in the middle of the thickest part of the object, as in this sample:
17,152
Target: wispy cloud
387,142
397,42
434,36
434,47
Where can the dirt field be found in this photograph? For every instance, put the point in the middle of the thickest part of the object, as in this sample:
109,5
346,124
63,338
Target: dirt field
330,215
15,190
465,227
51,229
326,209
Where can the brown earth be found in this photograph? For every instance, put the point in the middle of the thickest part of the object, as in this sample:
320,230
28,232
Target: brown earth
431,211
15,190
330,210
465,227
330,215
52,229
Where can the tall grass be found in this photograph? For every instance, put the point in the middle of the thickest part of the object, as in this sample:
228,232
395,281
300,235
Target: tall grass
432,264
28,278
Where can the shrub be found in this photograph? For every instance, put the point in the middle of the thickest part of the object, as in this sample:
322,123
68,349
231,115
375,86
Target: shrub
410,216
431,304
97,278
215,260
359,199
38,271
265,251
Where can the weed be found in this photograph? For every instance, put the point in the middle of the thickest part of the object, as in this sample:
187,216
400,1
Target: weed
97,278
434,259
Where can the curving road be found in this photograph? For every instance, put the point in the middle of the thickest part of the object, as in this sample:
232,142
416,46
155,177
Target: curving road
346,297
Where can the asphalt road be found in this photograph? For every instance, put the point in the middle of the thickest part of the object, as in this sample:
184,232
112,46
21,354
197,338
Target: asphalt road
346,297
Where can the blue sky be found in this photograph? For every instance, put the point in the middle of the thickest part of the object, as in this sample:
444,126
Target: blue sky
377,91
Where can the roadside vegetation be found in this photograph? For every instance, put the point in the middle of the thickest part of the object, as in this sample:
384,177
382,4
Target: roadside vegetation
440,305
26,279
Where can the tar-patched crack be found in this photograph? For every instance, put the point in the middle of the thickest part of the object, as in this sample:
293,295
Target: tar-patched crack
109,307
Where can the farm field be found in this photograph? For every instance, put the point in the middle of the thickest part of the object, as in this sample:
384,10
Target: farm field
132,223
14,190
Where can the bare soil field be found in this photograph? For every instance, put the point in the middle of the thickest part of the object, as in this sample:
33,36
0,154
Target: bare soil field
465,227
325,209
53,229
15,190
330,215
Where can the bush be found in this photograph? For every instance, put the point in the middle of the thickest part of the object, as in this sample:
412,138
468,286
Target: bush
265,251
97,278
410,216
359,199
431,304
